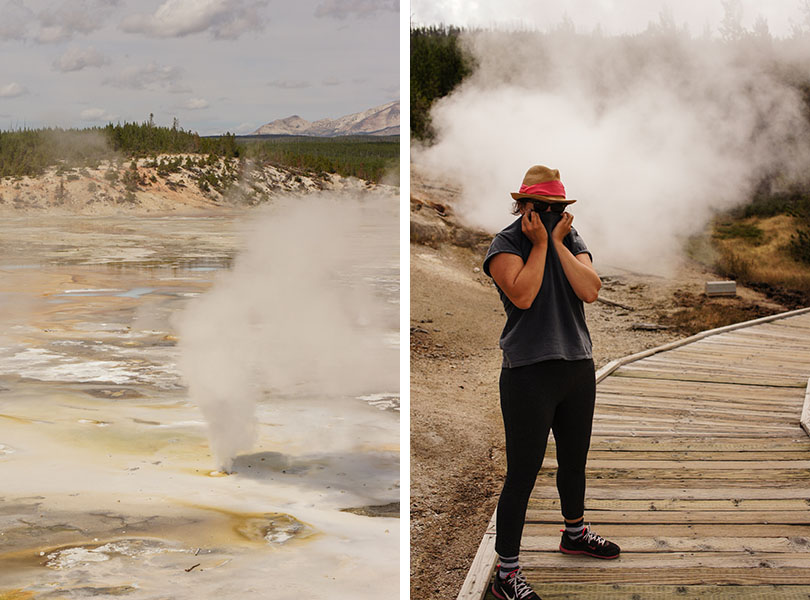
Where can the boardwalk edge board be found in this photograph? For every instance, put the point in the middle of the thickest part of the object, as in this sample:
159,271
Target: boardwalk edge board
477,580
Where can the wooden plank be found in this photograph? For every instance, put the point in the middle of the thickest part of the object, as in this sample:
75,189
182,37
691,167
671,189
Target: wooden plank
691,426
730,487
597,491
719,377
708,411
673,576
642,432
477,580
680,504
694,389
698,531
731,403
665,544
685,443
775,517
675,560
678,465
620,591
726,364
656,454
716,350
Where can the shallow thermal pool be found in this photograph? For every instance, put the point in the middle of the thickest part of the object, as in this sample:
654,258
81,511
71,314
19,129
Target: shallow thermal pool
108,484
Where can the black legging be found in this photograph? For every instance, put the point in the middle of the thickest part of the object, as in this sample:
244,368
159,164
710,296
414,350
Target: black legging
553,394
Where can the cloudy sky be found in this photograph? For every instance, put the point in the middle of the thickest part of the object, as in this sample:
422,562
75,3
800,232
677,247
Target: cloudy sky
216,65
612,16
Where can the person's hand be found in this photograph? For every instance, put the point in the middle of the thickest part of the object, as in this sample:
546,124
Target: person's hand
562,228
533,228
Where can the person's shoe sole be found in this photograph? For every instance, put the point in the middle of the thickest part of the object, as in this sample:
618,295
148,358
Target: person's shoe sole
586,553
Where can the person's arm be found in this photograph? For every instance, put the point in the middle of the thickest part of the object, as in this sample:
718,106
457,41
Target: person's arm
578,269
521,281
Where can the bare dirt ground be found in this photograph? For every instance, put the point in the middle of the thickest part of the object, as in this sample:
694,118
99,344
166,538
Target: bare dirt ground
457,449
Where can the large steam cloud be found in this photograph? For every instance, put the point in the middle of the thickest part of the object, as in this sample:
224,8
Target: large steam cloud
299,313
652,134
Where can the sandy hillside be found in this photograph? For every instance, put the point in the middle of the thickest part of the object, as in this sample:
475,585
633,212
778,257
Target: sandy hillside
457,449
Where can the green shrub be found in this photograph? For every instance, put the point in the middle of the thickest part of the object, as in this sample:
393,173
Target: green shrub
750,232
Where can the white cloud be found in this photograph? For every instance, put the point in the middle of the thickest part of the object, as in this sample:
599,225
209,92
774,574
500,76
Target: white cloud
152,76
12,90
97,114
287,84
195,104
340,9
70,18
14,22
224,19
76,59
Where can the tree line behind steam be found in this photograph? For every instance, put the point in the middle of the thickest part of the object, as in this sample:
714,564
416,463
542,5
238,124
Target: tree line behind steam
30,152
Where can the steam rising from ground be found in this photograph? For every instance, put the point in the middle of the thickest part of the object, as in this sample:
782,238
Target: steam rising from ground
297,314
651,133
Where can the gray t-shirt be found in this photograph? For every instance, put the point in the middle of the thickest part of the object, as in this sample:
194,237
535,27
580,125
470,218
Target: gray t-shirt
553,327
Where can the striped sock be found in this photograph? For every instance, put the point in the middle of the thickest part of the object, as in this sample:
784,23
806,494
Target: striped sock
575,530
508,564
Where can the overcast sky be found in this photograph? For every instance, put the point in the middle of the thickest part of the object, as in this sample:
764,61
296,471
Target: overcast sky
613,16
216,65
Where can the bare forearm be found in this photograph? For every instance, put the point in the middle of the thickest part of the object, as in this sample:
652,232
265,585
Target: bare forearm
529,279
583,279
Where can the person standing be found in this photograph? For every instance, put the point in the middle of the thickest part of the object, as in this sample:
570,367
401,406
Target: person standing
544,273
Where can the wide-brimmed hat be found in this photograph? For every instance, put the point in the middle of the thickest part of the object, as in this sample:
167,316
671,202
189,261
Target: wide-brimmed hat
542,183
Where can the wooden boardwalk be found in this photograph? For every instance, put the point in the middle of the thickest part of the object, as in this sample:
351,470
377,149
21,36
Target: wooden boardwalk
699,469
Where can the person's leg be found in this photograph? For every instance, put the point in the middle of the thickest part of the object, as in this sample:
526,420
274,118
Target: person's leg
527,403
573,422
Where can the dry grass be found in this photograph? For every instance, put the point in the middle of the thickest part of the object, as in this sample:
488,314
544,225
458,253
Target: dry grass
768,261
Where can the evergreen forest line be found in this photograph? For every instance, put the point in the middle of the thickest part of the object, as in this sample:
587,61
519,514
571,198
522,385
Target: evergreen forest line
30,152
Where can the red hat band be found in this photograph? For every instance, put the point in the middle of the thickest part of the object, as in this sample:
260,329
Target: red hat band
546,188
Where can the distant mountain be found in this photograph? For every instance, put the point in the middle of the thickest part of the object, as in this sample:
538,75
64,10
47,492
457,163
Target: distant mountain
382,120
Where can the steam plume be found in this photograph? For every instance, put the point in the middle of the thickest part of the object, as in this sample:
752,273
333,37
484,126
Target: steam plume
651,133
296,314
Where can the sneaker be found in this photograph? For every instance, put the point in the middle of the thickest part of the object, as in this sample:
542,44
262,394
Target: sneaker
514,587
590,544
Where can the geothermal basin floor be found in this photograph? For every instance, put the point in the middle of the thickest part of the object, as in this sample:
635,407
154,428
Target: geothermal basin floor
108,484
699,470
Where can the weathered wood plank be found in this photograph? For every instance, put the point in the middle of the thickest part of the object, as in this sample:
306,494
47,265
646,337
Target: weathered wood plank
627,464
697,531
657,454
567,591
682,375
598,491
675,560
742,444
475,584
666,544
680,504
774,517
673,576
